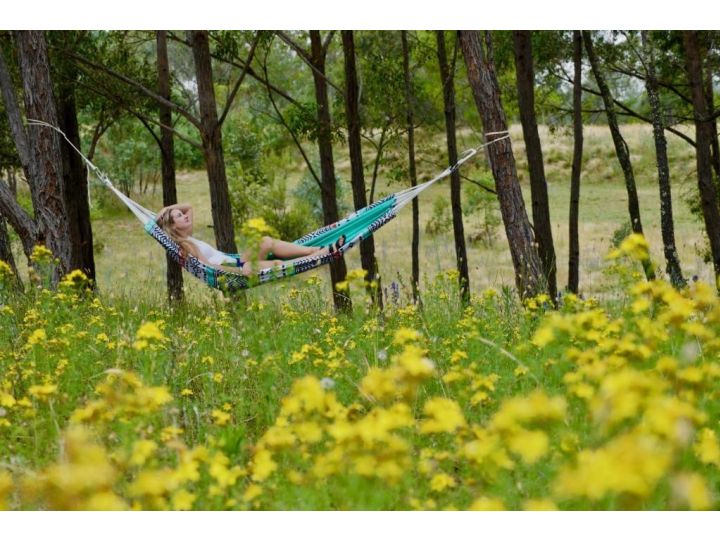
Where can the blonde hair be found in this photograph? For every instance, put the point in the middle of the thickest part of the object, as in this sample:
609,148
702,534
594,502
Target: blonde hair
166,222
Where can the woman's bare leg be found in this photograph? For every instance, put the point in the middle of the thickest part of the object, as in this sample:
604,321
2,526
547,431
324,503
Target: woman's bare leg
248,269
281,249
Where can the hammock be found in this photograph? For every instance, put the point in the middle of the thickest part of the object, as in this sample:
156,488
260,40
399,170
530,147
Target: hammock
356,227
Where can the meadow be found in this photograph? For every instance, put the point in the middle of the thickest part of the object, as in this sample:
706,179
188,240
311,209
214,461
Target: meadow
116,401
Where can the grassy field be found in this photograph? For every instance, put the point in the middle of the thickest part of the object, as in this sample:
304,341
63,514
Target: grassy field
115,401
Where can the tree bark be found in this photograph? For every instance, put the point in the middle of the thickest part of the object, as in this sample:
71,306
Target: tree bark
357,177
173,272
621,148
12,181
75,182
666,213
338,269
412,171
703,137
484,85
574,237
447,81
19,219
212,144
714,144
525,76
47,188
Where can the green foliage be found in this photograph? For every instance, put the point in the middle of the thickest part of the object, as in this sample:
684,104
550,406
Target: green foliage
130,156
255,193
622,232
441,220
309,191
483,212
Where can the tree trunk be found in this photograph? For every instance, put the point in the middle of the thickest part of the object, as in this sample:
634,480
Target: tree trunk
75,182
19,219
574,237
538,185
714,144
173,273
338,270
484,85
663,167
703,138
47,189
12,181
412,171
352,109
621,148
212,144
447,81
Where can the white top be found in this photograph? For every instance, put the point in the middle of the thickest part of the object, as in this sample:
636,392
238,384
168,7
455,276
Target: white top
212,255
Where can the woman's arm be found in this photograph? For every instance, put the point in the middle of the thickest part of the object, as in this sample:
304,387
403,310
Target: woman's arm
183,207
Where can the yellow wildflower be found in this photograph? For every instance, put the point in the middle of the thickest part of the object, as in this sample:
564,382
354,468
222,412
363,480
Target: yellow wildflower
183,500
220,418
7,400
530,445
150,331
405,335
631,463
442,481
38,336
252,492
263,465
153,483
535,505
543,336
413,361
706,448
487,504
42,391
690,490
443,416
141,451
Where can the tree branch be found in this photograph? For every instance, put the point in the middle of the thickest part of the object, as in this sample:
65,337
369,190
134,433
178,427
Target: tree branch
663,84
14,117
250,70
308,60
119,101
127,80
327,41
235,89
631,114
292,133
628,112
18,218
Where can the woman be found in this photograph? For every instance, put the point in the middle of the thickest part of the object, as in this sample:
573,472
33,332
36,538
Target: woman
177,221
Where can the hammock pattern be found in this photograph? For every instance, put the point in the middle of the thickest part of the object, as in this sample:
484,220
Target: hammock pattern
355,227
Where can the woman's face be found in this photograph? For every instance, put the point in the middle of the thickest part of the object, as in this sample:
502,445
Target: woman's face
181,222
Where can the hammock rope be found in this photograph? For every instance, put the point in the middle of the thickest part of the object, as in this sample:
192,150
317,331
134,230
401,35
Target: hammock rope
355,227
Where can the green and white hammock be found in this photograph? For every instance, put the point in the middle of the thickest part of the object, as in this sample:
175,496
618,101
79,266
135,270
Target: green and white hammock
355,227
